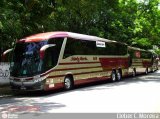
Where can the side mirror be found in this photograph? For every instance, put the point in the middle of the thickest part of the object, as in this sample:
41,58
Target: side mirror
44,48
6,55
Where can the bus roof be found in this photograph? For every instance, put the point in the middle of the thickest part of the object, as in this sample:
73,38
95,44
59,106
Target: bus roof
60,34
135,48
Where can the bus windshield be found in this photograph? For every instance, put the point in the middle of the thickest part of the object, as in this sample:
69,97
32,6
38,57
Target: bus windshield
26,59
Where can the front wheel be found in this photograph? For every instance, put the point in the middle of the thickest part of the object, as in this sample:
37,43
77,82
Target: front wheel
68,83
119,75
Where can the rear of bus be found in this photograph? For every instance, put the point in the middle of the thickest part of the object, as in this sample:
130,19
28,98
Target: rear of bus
140,61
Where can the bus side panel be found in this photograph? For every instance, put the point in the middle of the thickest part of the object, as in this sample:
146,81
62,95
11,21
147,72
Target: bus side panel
85,71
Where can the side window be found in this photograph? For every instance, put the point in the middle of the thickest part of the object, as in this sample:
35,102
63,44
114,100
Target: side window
69,48
88,47
52,53
79,47
121,49
116,49
143,54
146,55
58,42
84,47
131,53
51,58
111,49
101,49
134,53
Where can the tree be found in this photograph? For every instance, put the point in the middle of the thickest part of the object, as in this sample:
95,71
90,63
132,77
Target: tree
133,22
147,24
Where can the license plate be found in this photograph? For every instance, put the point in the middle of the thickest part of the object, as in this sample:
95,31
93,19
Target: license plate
23,88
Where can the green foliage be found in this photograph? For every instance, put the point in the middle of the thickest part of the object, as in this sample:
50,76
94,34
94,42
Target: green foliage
130,21
157,51
143,43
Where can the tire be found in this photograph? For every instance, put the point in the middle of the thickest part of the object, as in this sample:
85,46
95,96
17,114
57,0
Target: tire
113,76
1,73
119,75
68,83
146,71
134,72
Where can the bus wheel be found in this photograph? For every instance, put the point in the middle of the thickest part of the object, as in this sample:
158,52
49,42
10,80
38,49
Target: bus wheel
68,83
113,76
119,75
134,72
146,71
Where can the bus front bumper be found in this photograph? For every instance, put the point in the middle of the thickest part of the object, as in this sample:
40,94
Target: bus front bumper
27,85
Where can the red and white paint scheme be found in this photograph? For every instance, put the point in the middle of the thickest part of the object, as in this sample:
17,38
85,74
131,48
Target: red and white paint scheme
80,59
53,60
141,61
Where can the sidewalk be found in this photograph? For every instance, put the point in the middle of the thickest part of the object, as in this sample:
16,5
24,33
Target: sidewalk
4,91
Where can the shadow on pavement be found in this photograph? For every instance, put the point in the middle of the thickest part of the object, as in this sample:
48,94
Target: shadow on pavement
29,104
142,78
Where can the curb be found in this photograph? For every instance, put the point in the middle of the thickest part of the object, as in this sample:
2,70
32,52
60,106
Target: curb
5,90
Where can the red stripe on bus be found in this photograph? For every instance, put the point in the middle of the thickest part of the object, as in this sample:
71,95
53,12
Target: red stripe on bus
68,63
114,62
77,68
44,74
105,62
77,82
89,80
75,74
147,63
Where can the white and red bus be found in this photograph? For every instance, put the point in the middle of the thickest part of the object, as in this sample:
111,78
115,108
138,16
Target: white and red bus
141,61
55,60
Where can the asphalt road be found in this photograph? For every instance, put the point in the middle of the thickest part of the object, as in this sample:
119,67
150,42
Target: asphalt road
138,94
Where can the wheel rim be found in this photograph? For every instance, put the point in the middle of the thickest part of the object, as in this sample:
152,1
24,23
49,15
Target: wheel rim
67,83
113,76
119,76
134,73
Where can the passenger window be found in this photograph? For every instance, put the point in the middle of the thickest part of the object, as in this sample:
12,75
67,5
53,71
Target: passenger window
52,53
51,58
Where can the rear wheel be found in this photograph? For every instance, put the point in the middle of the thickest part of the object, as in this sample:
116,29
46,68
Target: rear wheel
119,75
134,72
113,76
68,83
146,71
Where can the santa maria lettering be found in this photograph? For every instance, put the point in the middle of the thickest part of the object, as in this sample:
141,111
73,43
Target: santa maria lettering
78,59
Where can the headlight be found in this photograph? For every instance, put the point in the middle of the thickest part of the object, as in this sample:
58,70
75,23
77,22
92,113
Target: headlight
39,79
